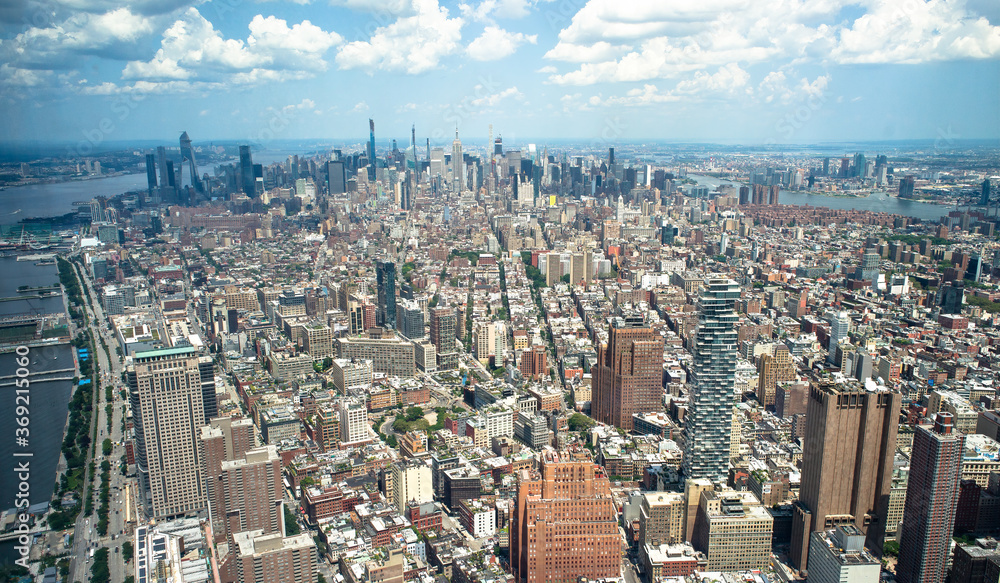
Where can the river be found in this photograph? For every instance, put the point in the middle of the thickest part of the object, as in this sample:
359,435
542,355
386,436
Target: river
55,199
874,203
48,400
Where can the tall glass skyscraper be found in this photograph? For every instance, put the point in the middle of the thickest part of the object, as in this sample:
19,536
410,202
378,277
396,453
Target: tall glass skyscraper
707,428
385,275
247,180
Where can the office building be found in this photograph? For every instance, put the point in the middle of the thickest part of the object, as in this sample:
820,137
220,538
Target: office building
931,502
708,424
187,155
150,172
564,524
661,518
951,296
444,324
354,421
336,177
628,376
733,530
847,462
771,370
165,171
457,164
266,558
840,326
252,490
371,150
247,181
391,355
410,318
223,439
385,274
838,555
411,482
168,407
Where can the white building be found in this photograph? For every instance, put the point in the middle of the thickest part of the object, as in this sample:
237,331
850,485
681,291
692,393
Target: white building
411,481
354,421
839,556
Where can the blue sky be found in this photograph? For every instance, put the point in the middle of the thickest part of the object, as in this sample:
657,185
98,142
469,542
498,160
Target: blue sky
772,71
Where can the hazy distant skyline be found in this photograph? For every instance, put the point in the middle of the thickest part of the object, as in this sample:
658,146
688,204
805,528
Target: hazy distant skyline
783,71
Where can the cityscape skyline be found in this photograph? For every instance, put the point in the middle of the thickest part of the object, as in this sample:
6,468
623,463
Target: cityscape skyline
304,71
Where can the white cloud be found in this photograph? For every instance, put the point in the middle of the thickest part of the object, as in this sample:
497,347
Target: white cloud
304,39
395,7
775,88
496,43
111,34
729,80
915,31
495,98
488,10
678,37
302,105
192,49
412,44
359,107
586,53
647,95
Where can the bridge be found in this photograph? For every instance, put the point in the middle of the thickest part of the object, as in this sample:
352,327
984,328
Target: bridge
40,373
45,380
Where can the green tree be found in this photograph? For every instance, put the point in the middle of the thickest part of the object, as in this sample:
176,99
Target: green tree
580,422
127,551
291,525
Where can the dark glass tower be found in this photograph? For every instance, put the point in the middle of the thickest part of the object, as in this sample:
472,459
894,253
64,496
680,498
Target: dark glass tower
151,171
246,172
385,274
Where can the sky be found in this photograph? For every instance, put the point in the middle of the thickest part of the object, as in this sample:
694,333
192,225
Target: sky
604,71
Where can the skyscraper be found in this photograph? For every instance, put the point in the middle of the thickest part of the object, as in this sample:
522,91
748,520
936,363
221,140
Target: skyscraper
443,322
628,377
247,182
840,325
984,197
950,297
868,270
224,438
385,275
457,164
337,177
168,405
708,425
161,164
151,171
371,150
187,155
931,502
906,185
564,524
846,463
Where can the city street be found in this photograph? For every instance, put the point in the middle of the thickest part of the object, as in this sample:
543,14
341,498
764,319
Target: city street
86,536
